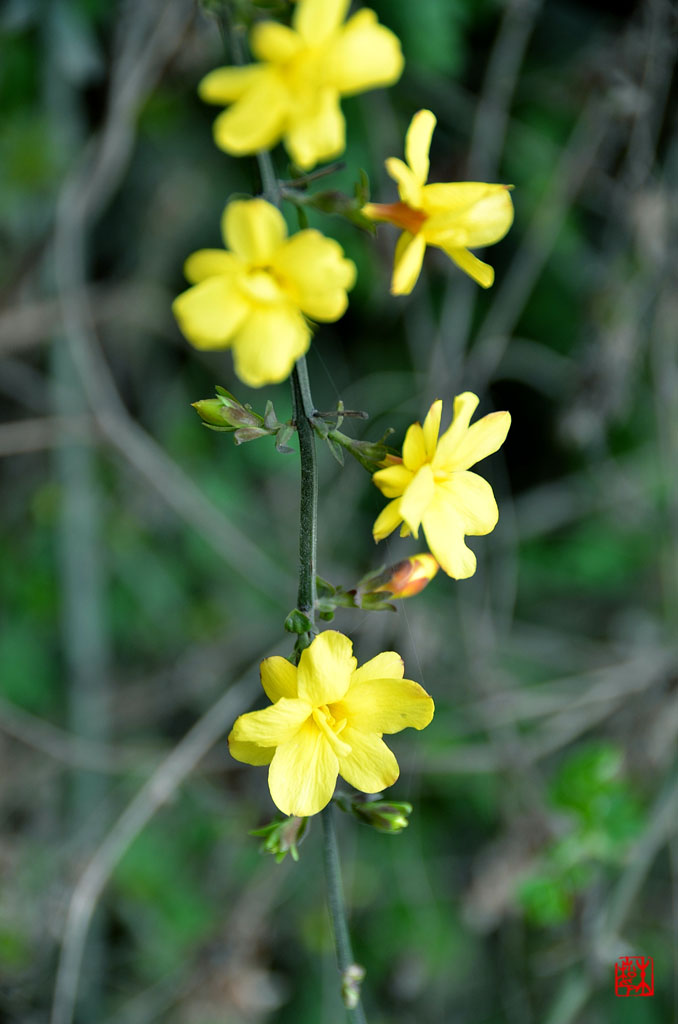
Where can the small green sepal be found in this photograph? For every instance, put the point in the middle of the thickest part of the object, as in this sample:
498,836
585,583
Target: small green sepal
282,836
335,450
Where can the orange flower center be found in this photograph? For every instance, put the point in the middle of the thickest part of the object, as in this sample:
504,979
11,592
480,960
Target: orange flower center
400,214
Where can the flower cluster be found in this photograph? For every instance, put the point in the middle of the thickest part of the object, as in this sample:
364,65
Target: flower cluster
260,296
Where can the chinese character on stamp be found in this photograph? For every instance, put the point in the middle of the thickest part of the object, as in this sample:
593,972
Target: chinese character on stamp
634,976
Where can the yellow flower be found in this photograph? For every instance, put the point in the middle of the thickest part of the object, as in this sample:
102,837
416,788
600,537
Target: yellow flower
434,489
326,719
455,216
253,295
293,93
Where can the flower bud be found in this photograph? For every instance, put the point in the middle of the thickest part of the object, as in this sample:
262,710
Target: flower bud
383,815
282,836
225,412
210,411
351,980
404,579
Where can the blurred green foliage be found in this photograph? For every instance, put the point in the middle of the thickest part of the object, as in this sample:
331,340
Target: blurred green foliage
604,817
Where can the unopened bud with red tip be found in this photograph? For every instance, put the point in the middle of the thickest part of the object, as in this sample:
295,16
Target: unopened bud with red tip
404,579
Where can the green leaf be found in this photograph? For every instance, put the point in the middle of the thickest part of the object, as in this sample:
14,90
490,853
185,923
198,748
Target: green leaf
298,622
324,586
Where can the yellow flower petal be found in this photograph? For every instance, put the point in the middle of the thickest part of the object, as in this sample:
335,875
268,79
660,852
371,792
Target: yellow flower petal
473,499
210,263
445,537
409,256
210,313
257,119
325,668
417,498
480,440
489,219
254,230
464,407
370,766
467,214
476,215
414,447
223,85
481,272
388,519
446,231
249,753
409,188
274,725
431,427
393,480
271,41
316,20
319,133
418,143
303,773
384,705
455,198
316,274
387,665
268,344
366,54
278,678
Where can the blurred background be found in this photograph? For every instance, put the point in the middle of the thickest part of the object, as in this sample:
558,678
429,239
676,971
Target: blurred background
148,564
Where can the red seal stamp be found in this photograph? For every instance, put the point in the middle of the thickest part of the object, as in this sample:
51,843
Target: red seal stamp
634,976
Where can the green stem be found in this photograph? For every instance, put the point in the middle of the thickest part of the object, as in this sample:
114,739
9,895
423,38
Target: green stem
308,515
342,939
269,179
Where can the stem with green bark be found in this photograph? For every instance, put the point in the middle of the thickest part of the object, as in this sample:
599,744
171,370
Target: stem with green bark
308,513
